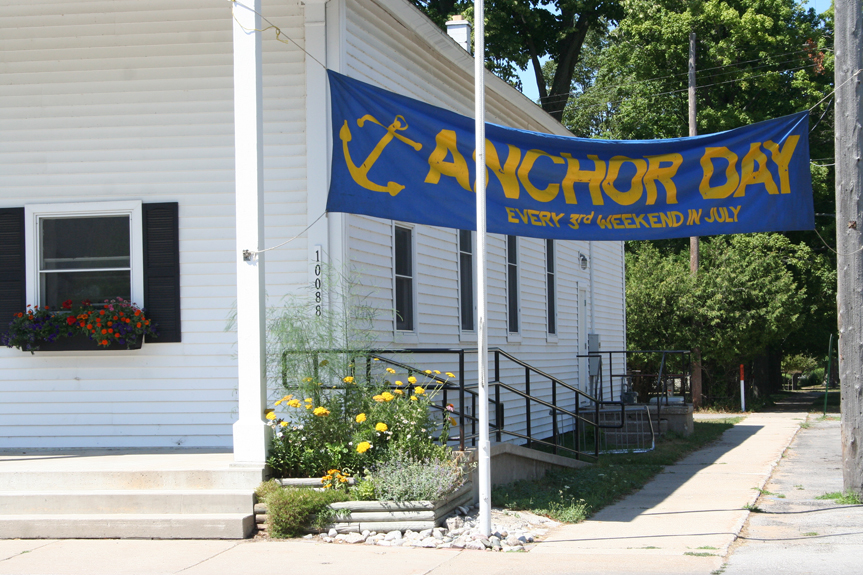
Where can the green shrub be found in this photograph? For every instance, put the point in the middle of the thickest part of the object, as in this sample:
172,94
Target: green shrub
291,510
402,478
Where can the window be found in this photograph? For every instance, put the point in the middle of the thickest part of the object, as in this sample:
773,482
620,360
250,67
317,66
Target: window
465,277
404,279
550,287
512,283
95,250
84,251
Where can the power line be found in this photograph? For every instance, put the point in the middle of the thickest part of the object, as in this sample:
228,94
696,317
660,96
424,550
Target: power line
677,91
731,68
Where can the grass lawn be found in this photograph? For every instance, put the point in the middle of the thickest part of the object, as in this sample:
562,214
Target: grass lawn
574,495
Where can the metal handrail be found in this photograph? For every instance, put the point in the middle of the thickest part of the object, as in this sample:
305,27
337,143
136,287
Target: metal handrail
470,393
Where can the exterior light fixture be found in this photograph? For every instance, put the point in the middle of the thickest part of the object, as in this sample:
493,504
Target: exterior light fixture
582,260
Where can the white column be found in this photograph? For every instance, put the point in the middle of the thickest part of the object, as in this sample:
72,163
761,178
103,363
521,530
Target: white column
250,430
484,444
317,166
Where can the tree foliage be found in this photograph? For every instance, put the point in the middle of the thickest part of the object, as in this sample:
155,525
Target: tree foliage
752,293
522,32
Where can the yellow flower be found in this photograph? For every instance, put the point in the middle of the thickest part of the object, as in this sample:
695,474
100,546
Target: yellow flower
428,372
348,379
419,391
361,418
413,398
284,424
321,411
412,380
287,398
271,415
399,383
308,400
390,370
448,374
363,446
388,396
294,403
378,398
376,359
279,402
437,372
452,421
308,406
307,379
381,426
334,472
398,391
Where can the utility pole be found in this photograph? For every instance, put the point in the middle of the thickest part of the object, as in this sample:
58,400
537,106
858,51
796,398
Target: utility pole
693,241
849,243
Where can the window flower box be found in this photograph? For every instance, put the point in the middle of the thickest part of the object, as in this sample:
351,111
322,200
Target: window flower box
80,342
114,324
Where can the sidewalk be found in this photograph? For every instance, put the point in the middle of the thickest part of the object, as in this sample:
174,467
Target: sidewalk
697,503
795,532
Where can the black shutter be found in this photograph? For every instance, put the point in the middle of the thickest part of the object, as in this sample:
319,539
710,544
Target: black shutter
13,282
162,270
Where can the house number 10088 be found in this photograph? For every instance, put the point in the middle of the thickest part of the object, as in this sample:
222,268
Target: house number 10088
317,273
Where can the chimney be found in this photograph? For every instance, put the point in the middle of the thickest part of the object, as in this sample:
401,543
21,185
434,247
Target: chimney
459,30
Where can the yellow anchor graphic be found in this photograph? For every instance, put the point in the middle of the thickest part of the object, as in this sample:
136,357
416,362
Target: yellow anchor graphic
360,173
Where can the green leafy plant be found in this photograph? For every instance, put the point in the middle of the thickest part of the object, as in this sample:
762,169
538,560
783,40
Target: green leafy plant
846,498
403,478
292,510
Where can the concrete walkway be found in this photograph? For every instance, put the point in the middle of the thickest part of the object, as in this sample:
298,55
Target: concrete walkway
697,503
795,532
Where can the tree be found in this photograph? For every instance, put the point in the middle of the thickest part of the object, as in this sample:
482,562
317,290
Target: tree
519,32
755,61
749,295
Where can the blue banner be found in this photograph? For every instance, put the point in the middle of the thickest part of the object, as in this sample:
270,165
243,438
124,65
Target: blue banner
401,159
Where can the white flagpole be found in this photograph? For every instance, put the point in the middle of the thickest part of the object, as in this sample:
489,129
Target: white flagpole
484,447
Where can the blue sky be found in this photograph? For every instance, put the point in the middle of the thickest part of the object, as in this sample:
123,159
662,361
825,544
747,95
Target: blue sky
529,83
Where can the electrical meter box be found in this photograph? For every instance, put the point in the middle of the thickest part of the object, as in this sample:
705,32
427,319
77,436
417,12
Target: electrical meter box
593,346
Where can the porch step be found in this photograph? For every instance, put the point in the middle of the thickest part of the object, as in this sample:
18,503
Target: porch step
140,479
130,501
128,526
126,494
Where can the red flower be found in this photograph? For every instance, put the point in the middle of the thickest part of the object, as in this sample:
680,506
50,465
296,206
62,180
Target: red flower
104,342
86,302
67,304
70,320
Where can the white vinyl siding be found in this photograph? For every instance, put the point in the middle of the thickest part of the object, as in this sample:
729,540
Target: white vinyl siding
115,100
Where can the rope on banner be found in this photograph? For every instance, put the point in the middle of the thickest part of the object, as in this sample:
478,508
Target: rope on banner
247,254
834,251
272,26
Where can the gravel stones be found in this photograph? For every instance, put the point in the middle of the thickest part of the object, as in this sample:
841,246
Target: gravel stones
511,531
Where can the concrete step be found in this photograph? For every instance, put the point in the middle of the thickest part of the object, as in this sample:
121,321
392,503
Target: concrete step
108,479
126,502
128,526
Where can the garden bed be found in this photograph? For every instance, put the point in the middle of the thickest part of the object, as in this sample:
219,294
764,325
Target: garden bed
385,516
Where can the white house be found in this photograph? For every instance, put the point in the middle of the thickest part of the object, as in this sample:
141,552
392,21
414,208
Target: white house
125,110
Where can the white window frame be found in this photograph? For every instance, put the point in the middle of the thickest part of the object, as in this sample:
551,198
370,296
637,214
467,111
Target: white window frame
513,336
466,334
406,336
35,212
551,337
